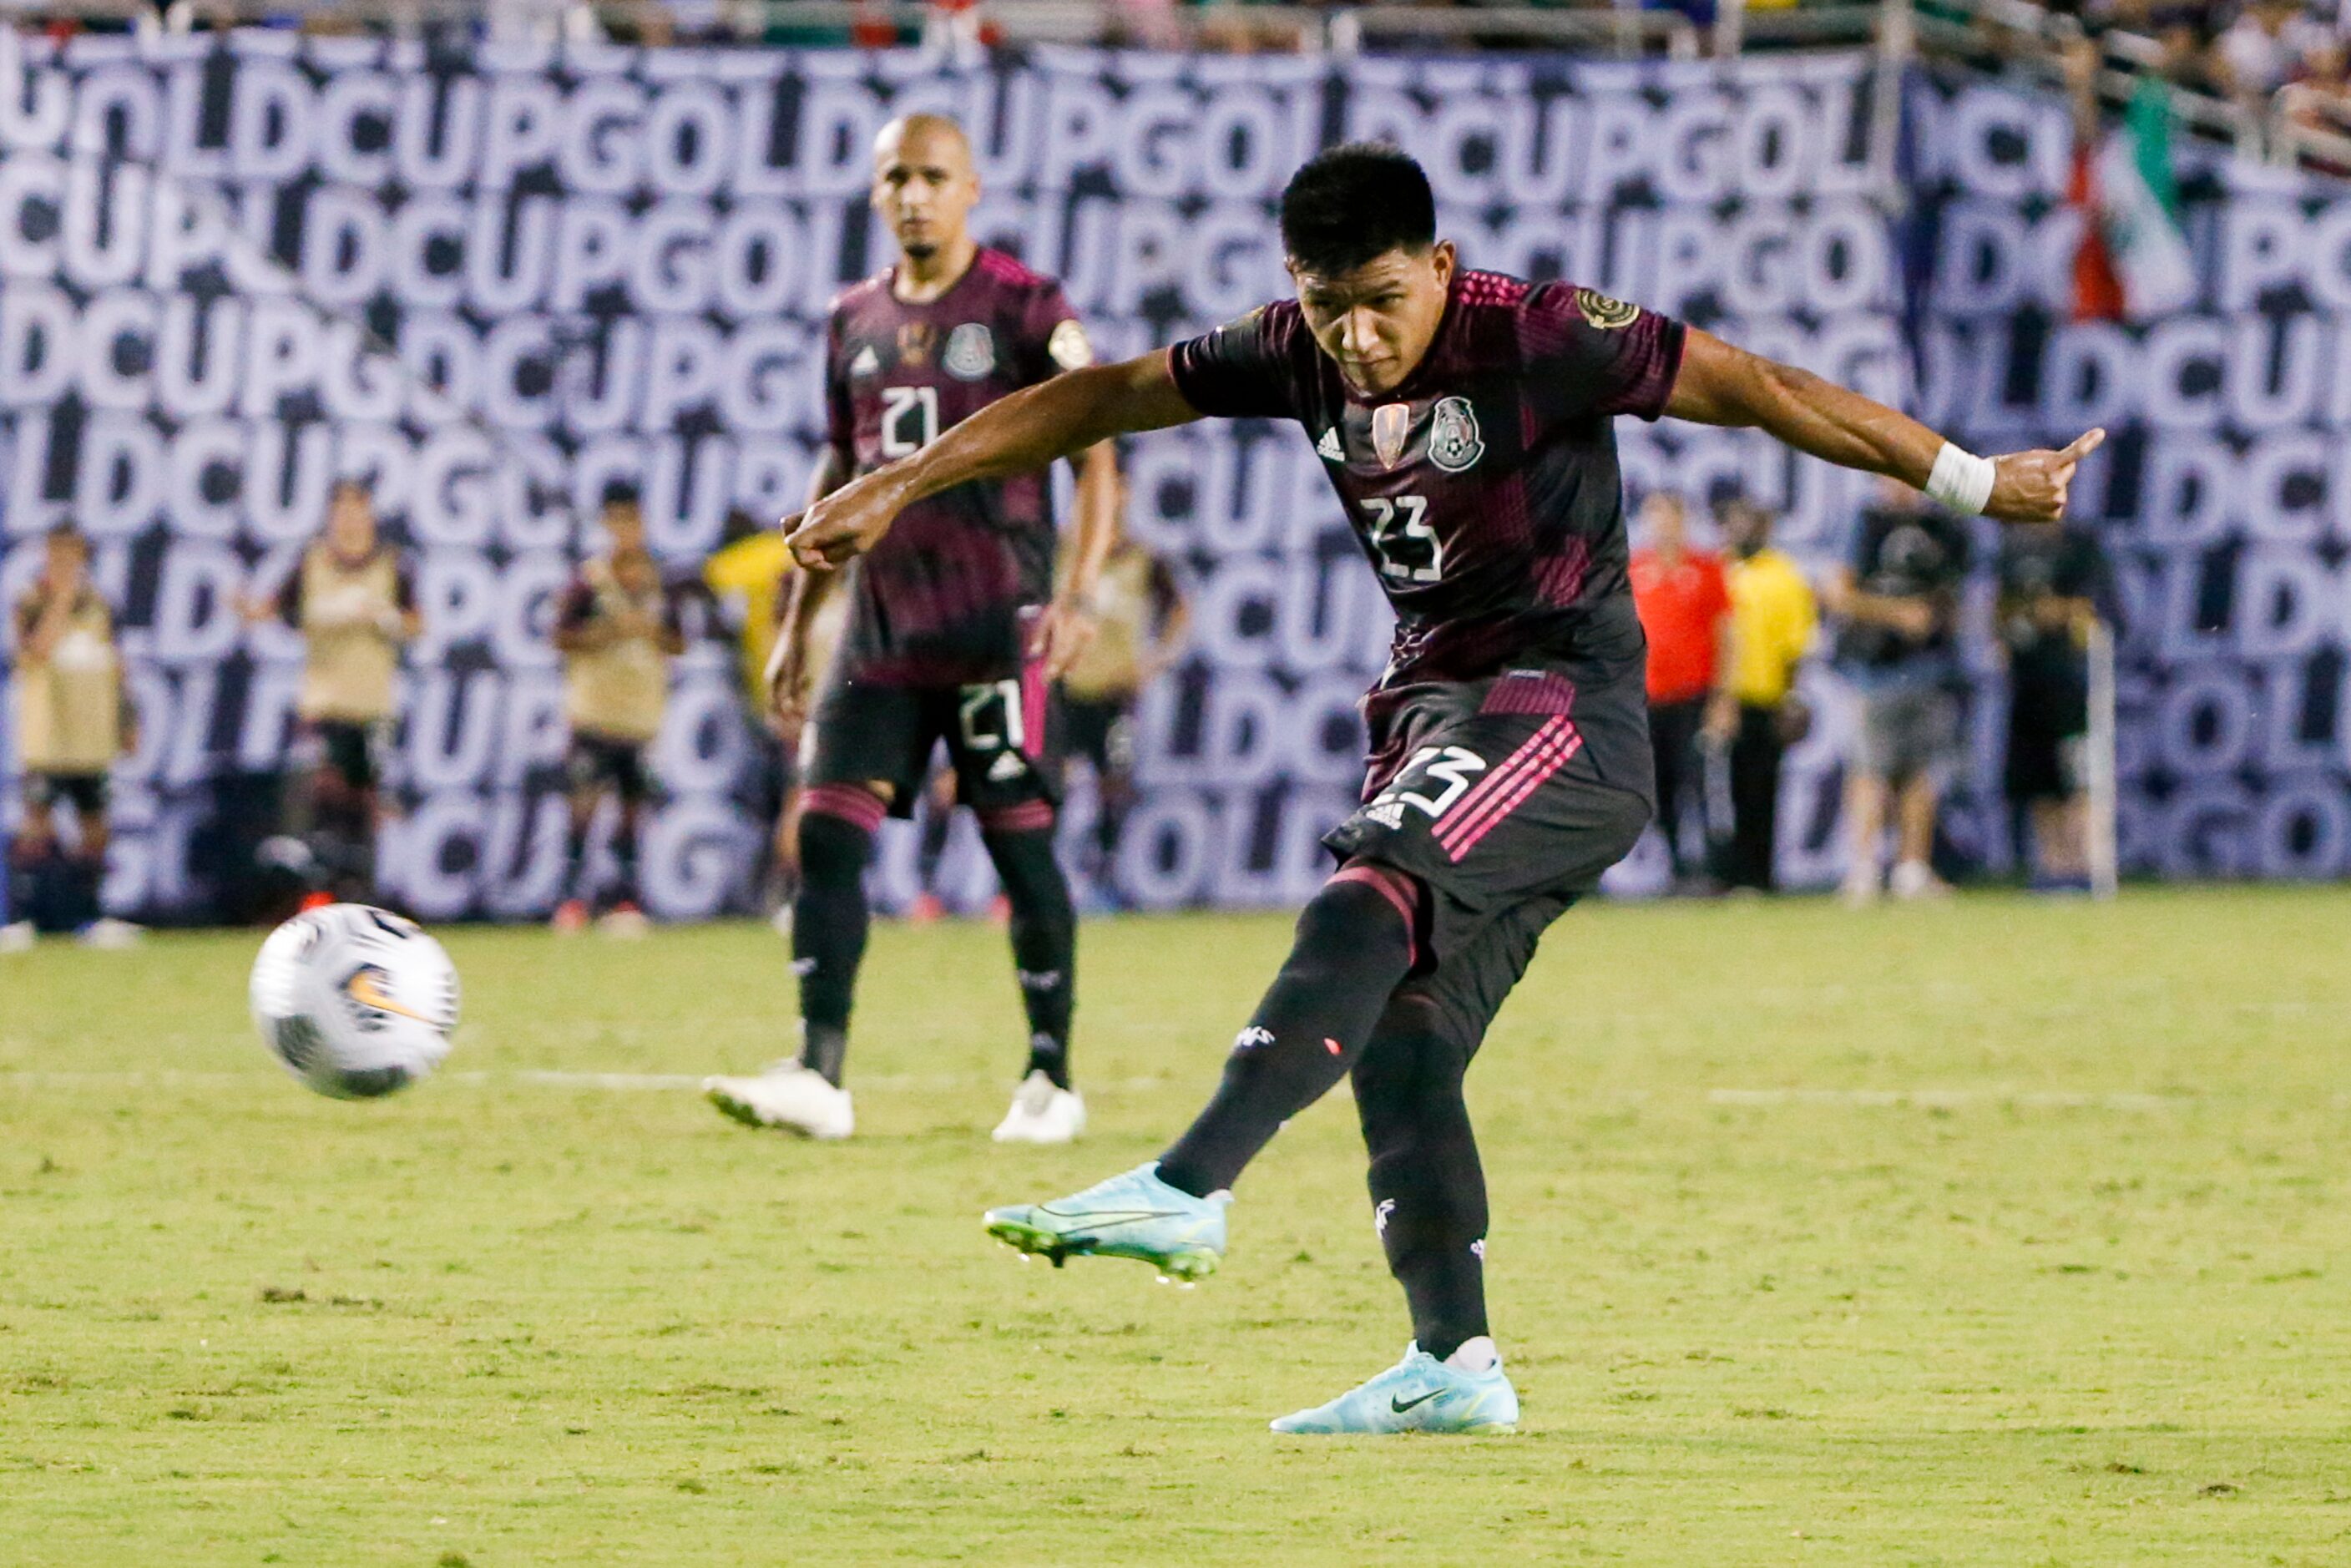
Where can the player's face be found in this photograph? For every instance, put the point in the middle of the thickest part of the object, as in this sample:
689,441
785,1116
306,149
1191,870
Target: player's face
1662,523
350,524
923,187
625,526
64,558
634,570
1378,320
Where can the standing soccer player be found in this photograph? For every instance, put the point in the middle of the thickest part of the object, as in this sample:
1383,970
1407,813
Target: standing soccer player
954,629
1464,418
71,726
354,604
618,628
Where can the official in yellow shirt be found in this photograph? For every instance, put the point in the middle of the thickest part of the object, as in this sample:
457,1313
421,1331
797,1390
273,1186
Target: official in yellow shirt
1773,619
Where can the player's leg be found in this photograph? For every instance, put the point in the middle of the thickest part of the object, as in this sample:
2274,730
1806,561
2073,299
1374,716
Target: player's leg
1867,770
934,822
1484,817
1673,742
92,801
31,869
584,780
1044,932
871,744
1929,725
632,784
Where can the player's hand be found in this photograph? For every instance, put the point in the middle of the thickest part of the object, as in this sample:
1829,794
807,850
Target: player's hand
1720,726
2030,486
845,524
1062,634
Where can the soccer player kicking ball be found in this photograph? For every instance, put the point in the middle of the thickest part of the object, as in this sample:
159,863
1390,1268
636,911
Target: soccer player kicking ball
952,636
1464,418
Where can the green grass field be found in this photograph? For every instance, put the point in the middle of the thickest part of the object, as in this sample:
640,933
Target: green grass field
2003,1233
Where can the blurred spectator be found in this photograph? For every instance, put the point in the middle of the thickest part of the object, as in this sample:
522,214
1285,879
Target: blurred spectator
1685,610
2321,100
2053,579
352,597
1756,714
617,624
1897,604
72,725
1140,620
745,575
2264,49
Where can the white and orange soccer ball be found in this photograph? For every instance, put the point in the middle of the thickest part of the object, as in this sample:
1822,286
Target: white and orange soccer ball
356,1001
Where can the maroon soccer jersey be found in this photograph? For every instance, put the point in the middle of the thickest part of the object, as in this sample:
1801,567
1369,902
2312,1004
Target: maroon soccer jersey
940,600
1484,488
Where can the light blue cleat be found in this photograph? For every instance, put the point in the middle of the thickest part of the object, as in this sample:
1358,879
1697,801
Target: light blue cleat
1132,1215
1419,1394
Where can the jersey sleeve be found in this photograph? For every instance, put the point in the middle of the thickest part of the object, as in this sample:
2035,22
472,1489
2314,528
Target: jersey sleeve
1594,355
839,413
1245,369
1052,339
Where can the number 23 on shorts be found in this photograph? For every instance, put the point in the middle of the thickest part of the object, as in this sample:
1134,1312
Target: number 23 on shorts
1452,767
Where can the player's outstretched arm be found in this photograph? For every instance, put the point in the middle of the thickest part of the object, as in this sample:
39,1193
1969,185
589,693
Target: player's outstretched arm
1026,431
1719,385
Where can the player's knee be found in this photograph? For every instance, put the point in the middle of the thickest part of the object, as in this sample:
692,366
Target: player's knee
1364,900
837,834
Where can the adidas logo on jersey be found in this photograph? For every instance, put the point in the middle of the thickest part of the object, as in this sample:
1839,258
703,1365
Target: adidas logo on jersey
1387,813
1328,448
865,363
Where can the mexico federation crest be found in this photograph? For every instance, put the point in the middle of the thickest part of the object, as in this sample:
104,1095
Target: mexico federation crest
1608,315
1390,427
1069,346
971,351
1453,440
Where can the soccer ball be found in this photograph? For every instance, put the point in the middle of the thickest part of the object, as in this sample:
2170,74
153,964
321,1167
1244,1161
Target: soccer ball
356,1001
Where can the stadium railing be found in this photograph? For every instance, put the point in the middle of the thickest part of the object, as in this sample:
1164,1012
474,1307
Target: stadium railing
2012,36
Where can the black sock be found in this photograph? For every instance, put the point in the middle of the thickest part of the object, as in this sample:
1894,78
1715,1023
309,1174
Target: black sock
625,851
931,847
575,854
1044,942
1354,947
1429,1191
87,876
829,922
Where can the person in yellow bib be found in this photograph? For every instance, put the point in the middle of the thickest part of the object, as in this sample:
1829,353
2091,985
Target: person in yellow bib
72,723
618,627
1140,618
354,602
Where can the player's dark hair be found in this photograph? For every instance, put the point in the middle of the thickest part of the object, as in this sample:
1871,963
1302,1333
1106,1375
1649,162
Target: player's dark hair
1354,202
67,531
348,483
619,493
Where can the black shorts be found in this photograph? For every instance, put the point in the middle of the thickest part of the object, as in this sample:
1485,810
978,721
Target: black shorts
1505,799
2044,762
350,749
87,793
995,733
1100,729
603,763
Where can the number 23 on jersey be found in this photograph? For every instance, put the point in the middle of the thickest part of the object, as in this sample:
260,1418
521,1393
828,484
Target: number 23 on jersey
1408,548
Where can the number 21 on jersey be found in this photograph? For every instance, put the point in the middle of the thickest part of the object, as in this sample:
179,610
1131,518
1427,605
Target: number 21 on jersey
910,420
1407,547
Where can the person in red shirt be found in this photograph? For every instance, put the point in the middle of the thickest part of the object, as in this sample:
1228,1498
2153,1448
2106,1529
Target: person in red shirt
1685,609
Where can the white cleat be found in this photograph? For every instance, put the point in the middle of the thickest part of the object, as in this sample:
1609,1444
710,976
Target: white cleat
625,923
19,937
1860,888
1042,1113
111,936
1913,880
787,1095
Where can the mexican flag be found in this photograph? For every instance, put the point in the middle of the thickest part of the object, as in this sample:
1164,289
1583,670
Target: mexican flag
2134,263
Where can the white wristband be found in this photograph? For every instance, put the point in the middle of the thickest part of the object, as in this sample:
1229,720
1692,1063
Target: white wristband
1961,480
